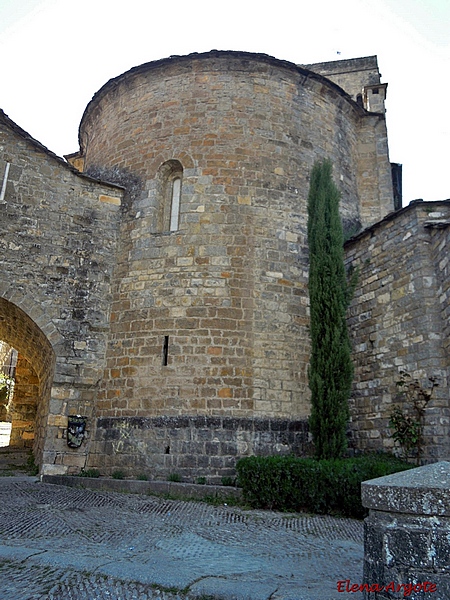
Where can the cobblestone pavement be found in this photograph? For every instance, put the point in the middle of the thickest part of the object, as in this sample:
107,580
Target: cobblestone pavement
66,543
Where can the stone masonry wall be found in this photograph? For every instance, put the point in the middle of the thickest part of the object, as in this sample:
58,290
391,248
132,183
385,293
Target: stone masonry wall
352,75
22,410
398,324
361,77
438,226
193,337
211,319
57,254
191,446
228,288
374,170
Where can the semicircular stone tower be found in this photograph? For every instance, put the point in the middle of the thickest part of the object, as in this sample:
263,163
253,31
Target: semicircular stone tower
208,351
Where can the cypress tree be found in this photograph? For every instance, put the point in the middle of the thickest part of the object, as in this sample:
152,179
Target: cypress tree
330,369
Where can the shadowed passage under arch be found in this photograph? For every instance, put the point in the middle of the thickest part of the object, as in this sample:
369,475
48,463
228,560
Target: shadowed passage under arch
37,362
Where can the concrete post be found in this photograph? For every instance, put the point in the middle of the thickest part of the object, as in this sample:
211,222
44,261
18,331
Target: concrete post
407,534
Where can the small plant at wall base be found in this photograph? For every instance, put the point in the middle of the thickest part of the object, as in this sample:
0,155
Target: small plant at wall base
32,468
89,473
406,431
228,481
330,369
407,428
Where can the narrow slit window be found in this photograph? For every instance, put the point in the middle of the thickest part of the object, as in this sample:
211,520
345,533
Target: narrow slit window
175,204
165,355
168,190
5,181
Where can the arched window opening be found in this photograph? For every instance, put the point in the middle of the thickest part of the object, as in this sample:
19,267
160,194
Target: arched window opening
169,190
175,204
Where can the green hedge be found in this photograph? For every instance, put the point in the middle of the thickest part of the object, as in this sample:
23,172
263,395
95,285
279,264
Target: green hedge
305,484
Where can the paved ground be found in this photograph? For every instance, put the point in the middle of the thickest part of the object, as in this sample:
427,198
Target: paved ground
66,543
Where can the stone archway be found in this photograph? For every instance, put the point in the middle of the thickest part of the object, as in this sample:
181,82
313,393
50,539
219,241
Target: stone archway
35,370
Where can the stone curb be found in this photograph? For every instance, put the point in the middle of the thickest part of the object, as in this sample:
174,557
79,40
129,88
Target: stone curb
132,486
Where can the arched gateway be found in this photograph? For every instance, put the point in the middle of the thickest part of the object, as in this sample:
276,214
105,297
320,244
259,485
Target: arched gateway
28,408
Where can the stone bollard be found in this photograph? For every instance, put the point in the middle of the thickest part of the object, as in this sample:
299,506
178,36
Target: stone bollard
407,534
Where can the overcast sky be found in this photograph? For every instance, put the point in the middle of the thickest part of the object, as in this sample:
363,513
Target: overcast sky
55,54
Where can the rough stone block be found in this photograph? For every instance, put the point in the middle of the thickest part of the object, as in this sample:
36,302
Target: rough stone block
406,534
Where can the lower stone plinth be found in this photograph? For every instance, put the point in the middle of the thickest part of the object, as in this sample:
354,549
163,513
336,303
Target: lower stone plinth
191,447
